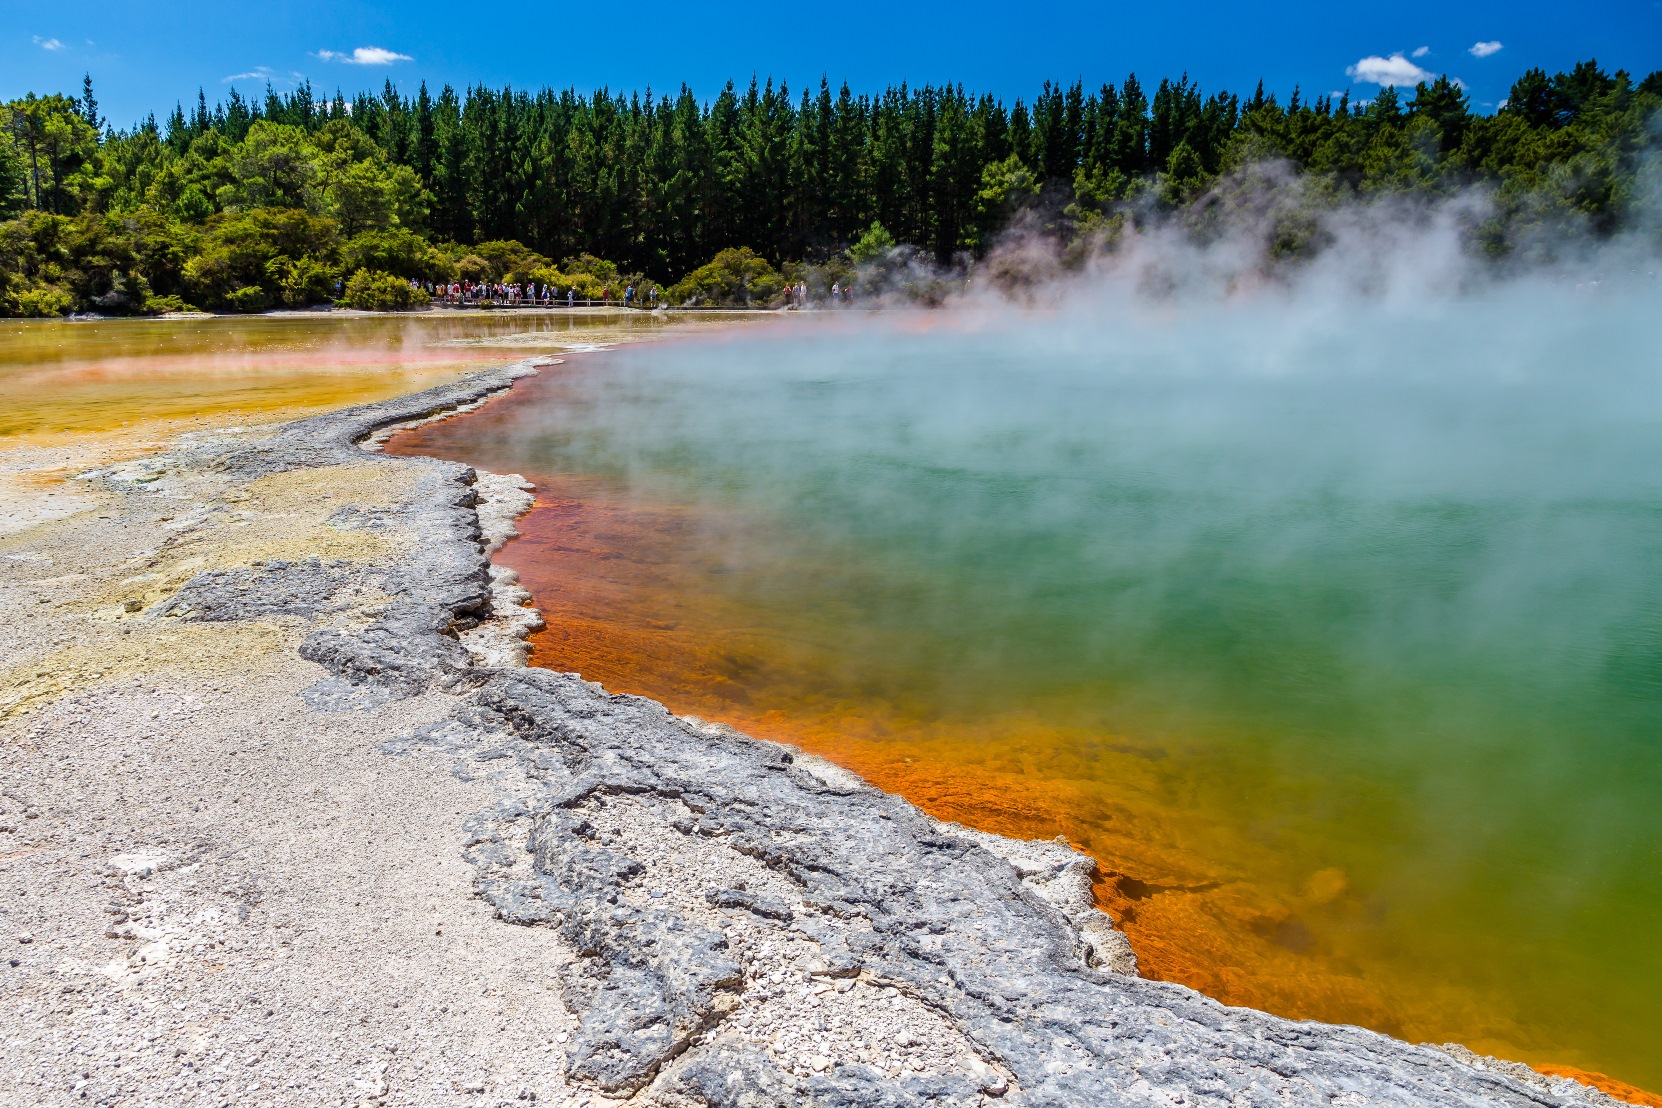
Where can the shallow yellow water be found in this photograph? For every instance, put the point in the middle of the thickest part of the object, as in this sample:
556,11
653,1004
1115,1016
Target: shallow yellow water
133,380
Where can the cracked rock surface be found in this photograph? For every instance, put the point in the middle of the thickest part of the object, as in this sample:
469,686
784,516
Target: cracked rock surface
284,820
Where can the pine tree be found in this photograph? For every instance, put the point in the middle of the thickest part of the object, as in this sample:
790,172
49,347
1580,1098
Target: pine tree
89,104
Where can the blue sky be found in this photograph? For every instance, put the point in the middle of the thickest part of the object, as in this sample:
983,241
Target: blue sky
144,56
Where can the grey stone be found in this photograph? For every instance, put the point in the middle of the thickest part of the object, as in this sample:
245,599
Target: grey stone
1068,1033
275,588
765,906
332,694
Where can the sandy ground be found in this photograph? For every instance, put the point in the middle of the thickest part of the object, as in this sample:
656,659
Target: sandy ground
209,892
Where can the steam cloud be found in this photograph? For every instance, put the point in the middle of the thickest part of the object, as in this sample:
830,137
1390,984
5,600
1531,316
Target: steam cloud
1384,515
1266,229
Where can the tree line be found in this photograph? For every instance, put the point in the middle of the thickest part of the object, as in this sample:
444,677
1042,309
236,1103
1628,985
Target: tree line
278,201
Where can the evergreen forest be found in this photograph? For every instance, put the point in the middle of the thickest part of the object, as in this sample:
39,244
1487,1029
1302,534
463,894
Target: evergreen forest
292,200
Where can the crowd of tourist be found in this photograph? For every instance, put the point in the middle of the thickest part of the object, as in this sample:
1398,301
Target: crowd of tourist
532,294
798,296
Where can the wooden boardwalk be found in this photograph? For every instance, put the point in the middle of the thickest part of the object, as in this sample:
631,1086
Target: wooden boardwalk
474,303
477,302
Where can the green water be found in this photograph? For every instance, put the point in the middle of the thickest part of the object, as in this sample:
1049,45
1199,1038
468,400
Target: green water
1272,593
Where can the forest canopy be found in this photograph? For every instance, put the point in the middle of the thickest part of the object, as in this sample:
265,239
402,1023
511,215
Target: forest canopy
248,205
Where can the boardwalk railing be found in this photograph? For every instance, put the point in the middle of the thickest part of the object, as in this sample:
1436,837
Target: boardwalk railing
442,301
635,306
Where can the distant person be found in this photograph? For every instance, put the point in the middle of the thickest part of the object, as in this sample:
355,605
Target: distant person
571,297
836,292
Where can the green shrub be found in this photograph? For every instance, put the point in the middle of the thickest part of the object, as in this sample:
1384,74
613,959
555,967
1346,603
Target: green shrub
168,303
733,277
592,276
586,285
877,244
506,260
471,267
301,283
248,298
258,248
600,269
45,300
401,252
373,291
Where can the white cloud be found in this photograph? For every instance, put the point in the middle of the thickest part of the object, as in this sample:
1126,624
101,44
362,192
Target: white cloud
1394,70
1484,49
49,43
266,75
365,55
1421,52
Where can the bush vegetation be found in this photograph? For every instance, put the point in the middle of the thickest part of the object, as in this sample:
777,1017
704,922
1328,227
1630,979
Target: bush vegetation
735,276
378,291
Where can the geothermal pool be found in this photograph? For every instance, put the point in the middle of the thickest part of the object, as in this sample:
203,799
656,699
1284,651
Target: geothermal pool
1334,635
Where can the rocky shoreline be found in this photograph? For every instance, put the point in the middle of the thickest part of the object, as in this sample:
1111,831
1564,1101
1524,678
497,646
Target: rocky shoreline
658,910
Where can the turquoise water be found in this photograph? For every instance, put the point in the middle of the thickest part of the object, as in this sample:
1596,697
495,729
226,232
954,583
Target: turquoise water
1334,633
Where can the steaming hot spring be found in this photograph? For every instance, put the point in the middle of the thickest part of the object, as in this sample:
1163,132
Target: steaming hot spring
1331,627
